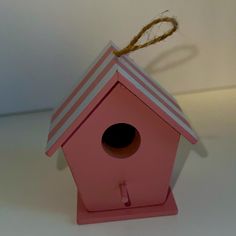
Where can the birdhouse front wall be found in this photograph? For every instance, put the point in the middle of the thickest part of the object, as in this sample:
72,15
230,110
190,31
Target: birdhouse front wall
144,165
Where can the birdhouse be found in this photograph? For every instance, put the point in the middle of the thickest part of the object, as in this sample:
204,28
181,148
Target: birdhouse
119,131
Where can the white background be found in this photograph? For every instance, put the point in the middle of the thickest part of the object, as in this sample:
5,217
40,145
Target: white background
46,45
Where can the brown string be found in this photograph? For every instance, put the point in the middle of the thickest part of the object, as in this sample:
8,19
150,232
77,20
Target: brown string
132,47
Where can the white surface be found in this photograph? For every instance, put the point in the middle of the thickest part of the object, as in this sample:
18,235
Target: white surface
46,45
36,198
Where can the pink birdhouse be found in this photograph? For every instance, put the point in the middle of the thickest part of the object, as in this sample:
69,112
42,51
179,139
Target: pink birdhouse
119,131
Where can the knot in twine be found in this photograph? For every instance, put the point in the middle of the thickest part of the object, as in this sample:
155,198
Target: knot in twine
132,47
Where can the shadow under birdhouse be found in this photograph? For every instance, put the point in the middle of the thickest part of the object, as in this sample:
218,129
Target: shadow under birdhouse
183,153
61,161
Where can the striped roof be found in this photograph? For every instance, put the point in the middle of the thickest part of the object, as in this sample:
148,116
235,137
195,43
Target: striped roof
98,80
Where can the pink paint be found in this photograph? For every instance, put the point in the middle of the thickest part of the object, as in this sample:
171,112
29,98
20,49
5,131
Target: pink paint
154,94
151,82
76,105
165,117
124,194
85,217
75,125
147,172
120,140
80,85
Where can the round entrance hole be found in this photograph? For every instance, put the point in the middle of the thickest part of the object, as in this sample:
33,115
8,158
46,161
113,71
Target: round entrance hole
121,140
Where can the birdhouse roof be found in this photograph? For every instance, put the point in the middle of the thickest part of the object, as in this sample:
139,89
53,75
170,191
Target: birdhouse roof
98,80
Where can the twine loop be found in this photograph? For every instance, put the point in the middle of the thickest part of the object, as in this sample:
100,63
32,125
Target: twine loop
132,45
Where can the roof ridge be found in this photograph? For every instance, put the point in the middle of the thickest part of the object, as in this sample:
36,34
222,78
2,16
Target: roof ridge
92,87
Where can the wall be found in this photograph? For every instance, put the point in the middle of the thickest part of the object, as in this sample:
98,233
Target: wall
46,45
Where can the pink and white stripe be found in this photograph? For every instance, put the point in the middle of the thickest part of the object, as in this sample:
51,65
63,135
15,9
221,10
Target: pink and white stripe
97,81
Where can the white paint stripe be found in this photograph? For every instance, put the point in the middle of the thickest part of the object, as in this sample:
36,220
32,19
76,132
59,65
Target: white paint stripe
100,86
150,86
81,91
148,76
157,102
110,44
82,106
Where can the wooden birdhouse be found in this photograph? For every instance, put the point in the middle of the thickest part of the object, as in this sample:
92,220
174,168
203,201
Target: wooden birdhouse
119,131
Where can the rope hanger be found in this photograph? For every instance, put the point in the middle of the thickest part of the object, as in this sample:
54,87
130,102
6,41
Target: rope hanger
132,46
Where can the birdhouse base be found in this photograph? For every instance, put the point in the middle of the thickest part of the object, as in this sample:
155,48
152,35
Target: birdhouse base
86,217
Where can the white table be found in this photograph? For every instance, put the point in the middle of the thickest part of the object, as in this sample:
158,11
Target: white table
38,196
